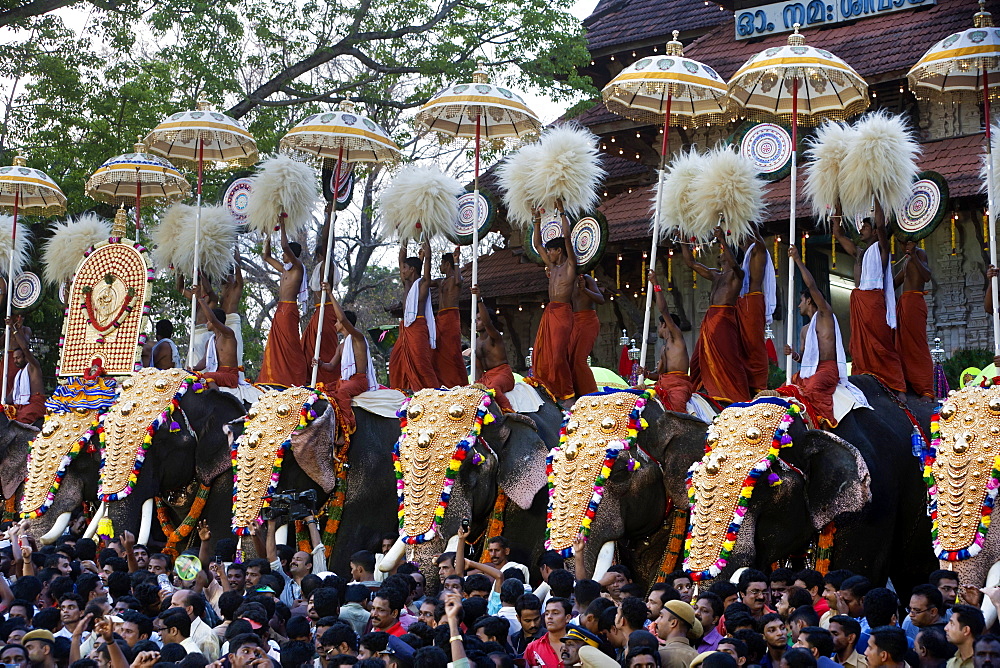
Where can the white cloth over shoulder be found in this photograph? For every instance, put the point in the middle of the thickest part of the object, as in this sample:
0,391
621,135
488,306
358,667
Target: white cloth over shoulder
349,366
385,403
175,355
411,309
22,388
211,355
303,295
768,286
875,276
810,360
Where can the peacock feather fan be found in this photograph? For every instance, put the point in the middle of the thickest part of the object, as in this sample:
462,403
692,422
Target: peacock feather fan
984,171
826,152
676,205
173,240
20,248
880,162
69,241
282,185
420,200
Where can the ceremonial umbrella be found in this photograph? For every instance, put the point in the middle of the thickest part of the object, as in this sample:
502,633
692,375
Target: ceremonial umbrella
192,138
967,64
136,177
23,190
801,84
345,136
478,110
672,90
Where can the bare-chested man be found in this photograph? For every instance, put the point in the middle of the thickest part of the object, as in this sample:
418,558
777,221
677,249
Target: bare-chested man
716,362
587,296
820,347
28,396
873,315
673,385
551,361
328,343
491,354
411,362
911,322
284,363
754,308
165,354
220,366
448,360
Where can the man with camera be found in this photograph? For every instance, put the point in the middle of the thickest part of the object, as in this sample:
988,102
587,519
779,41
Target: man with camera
301,564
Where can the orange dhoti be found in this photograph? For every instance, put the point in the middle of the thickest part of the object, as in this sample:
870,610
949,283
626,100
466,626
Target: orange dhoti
818,390
343,392
550,361
284,364
411,365
327,345
32,411
872,347
224,376
448,360
501,379
753,321
716,363
674,390
586,327
911,343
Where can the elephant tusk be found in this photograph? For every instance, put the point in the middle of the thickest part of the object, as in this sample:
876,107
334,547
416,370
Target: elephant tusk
57,529
146,523
391,557
452,545
281,535
92,527
992,579
604,558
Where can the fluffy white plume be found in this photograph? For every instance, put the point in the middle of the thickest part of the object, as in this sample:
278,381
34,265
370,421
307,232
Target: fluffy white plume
420,199
282,184
70,239
984,171
676,205
728,187
20,247
570,170
173,240
826,152
515,177
881,160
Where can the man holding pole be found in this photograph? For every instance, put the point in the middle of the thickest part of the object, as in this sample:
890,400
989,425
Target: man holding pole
673,384
284,363
911,314
448,360
754,309
491,355
411,362
328,344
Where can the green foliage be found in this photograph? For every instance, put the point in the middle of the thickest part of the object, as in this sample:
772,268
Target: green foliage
961,360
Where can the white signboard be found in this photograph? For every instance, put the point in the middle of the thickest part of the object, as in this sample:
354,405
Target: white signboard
779,17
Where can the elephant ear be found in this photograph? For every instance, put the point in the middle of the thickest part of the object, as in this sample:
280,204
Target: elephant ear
838,481
215,436
15,454
522,462
313,449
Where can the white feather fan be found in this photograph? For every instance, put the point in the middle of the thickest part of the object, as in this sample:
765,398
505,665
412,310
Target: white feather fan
984,171
881,160
20,247
420,200
826,152
515,177
570,170
728,187
69,241
676,205
282,184
173,240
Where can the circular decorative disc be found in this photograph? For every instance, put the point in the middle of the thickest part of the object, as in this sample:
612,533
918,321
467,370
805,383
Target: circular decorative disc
467,216
237,197
26,290
924,210
768,146
187,566
551,228
590,236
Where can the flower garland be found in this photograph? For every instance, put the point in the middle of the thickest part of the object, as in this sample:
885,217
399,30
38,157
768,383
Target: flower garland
614,447
985,510
166,417
335,504
677,523
306,416
780,440
67,459
824,548
174,536
495,524
483,417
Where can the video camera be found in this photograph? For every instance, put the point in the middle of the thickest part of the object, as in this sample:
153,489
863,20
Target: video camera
290,506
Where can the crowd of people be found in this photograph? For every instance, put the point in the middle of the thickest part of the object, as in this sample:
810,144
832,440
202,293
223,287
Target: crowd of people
118,604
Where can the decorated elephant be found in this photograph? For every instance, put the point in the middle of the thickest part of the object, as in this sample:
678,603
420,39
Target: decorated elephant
760,506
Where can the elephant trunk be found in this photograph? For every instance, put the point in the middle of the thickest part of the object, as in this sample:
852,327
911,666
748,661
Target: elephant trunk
57,529
146,523
604,559
281,535
392,556
92,527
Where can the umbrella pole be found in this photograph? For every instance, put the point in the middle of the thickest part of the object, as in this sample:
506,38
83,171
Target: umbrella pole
10,294
656,239
326,265
990,213
197,237
475,256
138,200
790,314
